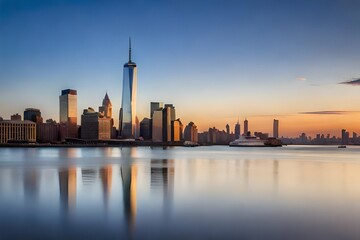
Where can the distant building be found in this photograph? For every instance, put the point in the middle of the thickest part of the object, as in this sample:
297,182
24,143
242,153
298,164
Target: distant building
177,129
172,111
145,128
95,126
276,128
47,132
166,124
237,130
106,108
155,106
227,128
212,135
262,136
16,117
191,133
128,103
246,127
33,114
17,131
68,114
157,125
344,137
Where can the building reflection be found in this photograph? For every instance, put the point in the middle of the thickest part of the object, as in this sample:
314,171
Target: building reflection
67,186
106,179
129,181
31,184
276,175
88,176
162,176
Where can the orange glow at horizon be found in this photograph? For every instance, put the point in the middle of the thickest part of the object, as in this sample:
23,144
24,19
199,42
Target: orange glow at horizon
290,125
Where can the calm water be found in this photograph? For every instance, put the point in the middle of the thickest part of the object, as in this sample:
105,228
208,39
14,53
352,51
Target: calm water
294,192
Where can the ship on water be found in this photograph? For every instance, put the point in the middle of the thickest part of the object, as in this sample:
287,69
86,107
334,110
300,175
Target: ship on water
252,141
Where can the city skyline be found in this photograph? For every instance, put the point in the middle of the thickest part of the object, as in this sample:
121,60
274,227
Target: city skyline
292,77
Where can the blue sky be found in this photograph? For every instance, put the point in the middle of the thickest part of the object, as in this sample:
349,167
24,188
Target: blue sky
214,60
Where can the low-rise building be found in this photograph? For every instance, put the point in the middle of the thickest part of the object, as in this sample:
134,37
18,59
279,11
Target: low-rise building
12,131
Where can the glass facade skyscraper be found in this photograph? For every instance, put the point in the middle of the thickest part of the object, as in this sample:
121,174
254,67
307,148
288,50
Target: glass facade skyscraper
68,113
128,103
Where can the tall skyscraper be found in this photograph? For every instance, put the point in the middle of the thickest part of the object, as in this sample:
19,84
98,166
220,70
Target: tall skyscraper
68,113
246,127
157,126
237,130
155,106
227,129
276,128
128,103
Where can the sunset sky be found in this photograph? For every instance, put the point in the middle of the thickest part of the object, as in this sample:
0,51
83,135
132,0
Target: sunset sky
215,60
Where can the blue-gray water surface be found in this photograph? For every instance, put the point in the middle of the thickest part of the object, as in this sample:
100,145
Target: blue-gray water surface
217,192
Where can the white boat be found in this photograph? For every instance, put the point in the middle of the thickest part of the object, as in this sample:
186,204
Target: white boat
248,141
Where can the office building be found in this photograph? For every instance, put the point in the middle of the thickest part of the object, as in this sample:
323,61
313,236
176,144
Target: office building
128,103
94,126
166,124
276,128
145,129
157,125
227,128
33,114
47,132
16,117
191,133
176,130
344,137
17,131
246,127
68,114
237,130
106,108
155,106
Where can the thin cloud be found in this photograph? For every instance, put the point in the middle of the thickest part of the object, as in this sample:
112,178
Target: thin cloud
328,112
301,78
354,82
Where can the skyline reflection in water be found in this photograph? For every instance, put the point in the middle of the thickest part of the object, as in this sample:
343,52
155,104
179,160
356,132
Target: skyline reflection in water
205,192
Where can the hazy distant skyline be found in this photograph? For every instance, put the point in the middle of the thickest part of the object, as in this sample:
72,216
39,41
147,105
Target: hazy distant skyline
216,61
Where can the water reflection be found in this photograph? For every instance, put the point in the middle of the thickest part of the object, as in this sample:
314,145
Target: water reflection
129,181
151,193
31,184
106,179
162,177
67,187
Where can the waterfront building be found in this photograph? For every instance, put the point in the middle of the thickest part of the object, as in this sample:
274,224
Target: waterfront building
145,128
155,106
276,128
212,135
33,114
237,130
166,124
95,126
227,128
47,132
128,103
172,111
344,137
191,133
246,127
157,125
176,130
68,114
16,117
17,131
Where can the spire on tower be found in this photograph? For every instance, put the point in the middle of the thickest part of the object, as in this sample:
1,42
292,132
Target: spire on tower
129,49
